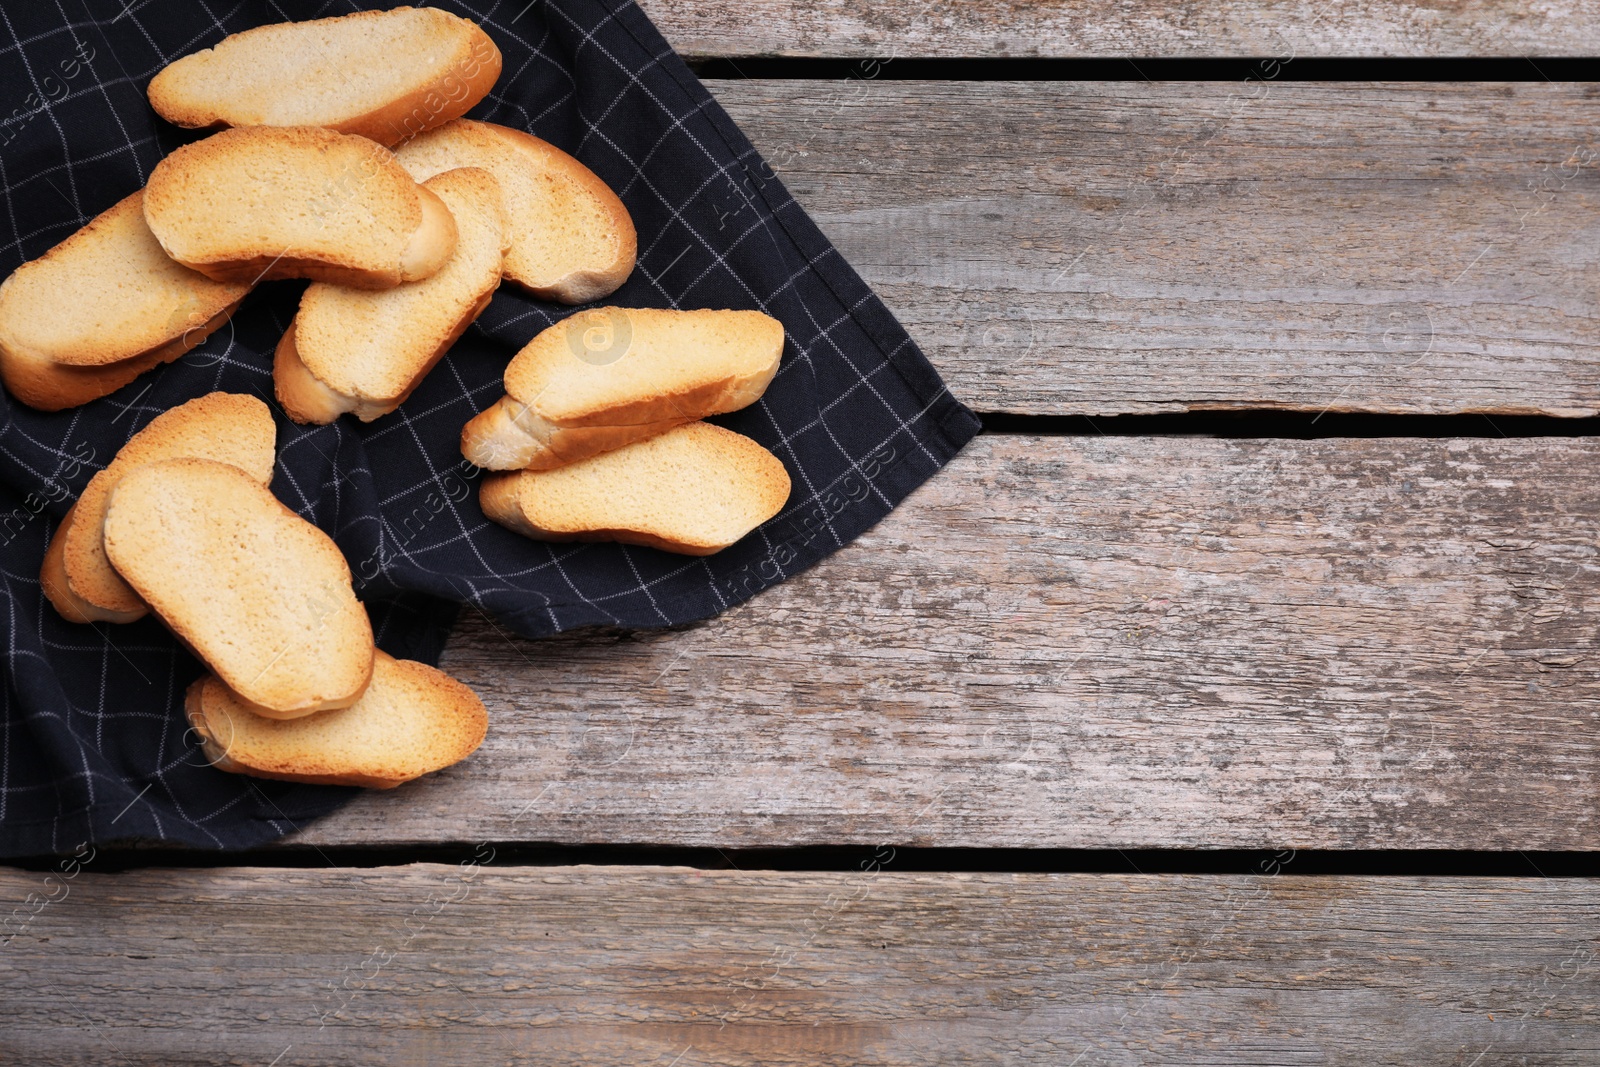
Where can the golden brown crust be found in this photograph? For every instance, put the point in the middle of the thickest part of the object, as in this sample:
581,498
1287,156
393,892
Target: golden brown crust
308,401
339,170
157,301
228,427
543,505
499,498
509,437
499,439
233,742
96,587
634,537
472,72
304,399
215,751
317,667
592,283
256,269
53,580
577,286
321,370
208,691
430,107
269,711
561,409
277,268
47,386
607,396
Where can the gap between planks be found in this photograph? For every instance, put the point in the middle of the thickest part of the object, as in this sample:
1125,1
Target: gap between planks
1135,28
1103,248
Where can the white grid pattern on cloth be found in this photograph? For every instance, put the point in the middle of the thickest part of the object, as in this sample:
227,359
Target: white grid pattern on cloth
92,744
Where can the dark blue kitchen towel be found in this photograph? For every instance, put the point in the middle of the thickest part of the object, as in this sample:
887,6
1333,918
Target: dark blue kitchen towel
94,747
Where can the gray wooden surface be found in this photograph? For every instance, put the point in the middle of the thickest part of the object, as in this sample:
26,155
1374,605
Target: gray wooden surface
1108,247
433,965
1091,642
1133,28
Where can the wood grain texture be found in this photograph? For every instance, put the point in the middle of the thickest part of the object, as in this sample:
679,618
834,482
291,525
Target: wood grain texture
1104,247
1134,28
435,964
1091,642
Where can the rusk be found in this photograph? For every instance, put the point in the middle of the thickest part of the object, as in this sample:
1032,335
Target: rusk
227,427
696,490
571,238
412,720
364,352
386,75
256,592
101,308
47,386
263,202
609,376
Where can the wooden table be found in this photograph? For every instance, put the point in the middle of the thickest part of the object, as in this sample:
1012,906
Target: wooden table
1096,631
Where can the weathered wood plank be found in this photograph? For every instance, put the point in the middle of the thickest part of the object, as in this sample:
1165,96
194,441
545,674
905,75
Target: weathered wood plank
1079,28
434,964
1092,642
1099,248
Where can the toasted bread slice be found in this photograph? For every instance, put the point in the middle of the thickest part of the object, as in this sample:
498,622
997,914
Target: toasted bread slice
387,75
571,238
107,294
263,202
610,376
258,593
101,308
696,490
412,720
53,578
362,351
48,386
226,427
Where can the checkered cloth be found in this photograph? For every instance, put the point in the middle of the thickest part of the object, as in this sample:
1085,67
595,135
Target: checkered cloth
94,746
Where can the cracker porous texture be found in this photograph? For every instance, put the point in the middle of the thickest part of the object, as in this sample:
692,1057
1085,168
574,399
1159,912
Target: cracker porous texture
260,595
263,202
695,490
